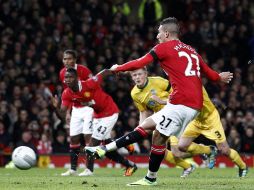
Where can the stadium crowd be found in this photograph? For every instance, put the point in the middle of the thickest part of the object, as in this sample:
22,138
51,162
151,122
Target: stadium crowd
33,36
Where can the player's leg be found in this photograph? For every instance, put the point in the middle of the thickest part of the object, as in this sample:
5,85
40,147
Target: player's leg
76,128
87,118
74,153
217,134
138,134
110,122
192,131
177,157
90,160
115,156
224,148
171,120
187,167
186,143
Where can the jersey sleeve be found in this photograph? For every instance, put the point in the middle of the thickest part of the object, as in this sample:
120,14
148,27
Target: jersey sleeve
86,73
136,64
210,74
66,100
137,103
94,82
158,52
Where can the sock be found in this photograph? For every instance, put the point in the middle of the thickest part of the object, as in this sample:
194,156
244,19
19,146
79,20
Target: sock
74,153
115,156
169,157
235,157
138,134
90,163
195,149
156,157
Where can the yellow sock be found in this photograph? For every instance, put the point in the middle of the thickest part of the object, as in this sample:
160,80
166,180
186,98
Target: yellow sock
235,157
177,161
195,149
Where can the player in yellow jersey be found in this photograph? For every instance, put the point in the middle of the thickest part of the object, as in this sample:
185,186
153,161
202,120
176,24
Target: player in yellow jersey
208,124
143,92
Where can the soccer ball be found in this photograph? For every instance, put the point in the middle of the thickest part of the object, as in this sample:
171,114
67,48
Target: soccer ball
23,157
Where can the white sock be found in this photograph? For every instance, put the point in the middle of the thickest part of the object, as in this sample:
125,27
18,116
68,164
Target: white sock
111,146
151,175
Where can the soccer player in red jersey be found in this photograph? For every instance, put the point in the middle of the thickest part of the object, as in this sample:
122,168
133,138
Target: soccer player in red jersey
81,94
78,119
69,61
184,67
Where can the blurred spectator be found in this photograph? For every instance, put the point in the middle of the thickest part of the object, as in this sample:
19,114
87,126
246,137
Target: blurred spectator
145,147
44,145
234,140
20,125
5,145
60,145
122,7
26,140
150,11
247,141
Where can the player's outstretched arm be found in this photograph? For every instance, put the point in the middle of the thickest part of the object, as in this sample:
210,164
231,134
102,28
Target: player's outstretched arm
134,64
104,72
101,75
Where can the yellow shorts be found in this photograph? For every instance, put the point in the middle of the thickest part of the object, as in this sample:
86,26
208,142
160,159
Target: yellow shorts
211,128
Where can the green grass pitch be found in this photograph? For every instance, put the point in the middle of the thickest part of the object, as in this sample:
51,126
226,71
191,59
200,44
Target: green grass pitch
113,179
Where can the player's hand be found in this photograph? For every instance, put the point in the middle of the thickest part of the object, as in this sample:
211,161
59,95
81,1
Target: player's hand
55,101
114,67
68,118
226,77
158,100
155,98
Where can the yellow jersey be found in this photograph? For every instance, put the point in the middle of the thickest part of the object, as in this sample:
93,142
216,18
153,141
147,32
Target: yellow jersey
154,86
160,87
207,109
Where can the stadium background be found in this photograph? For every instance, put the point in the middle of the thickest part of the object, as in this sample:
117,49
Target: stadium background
34,34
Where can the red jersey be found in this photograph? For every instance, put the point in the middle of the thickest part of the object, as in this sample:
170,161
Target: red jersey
183,65
90,93
83,73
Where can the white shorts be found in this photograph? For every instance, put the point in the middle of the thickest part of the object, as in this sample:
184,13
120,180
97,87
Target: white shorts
102,127
173,119
81,121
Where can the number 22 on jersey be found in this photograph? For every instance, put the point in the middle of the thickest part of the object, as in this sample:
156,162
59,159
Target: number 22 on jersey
192,59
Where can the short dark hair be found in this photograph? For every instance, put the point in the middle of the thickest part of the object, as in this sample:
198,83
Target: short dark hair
171,21
72,52
72,71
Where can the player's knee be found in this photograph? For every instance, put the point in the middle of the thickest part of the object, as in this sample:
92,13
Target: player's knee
74,140
182,147
224,150
176,154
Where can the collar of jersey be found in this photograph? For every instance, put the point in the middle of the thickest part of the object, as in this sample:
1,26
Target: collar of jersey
145,84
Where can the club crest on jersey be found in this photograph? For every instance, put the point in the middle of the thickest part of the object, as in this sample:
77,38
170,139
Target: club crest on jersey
87,94
151,103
